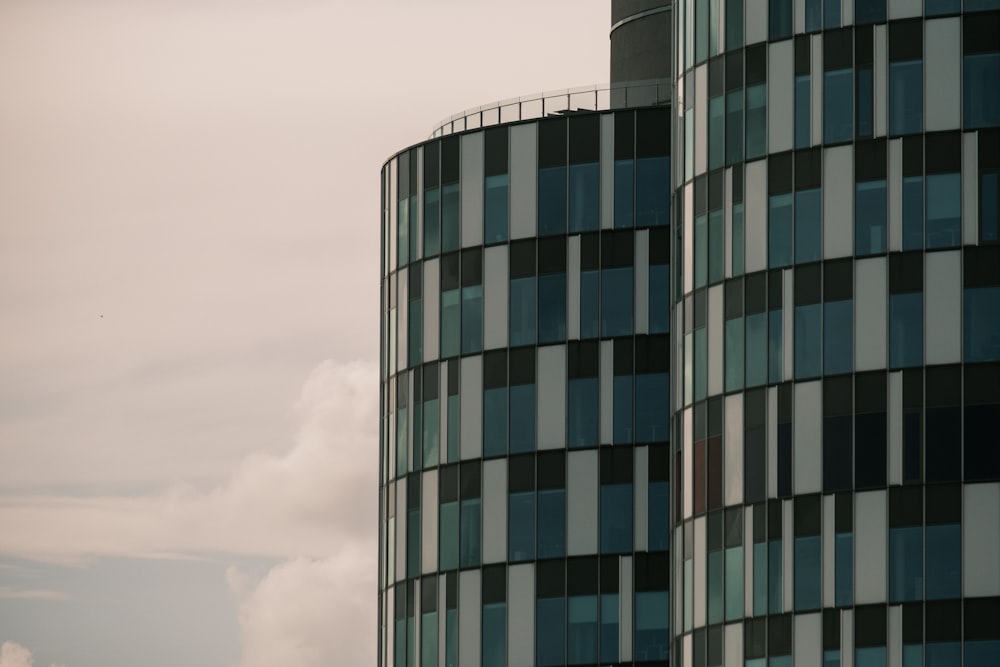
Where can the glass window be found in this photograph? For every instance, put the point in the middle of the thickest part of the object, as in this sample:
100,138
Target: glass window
584,190
944,210
779,16
944,561
402,415
616,518
581,629
838,336
701,30
939,7
652,625
989,206
831,15
448,536
700,250
415,353
413,542
453,429
590,303
470,532
659,298
622,409
552,308
734,24
913,212
624,193
738,243
403,229
814,15
869,11
495,634
808,586
652,191
616,301
472,319
450,311
756,120
496,205
551,201
713,576
429,639
808,229
734,583
495,421
700,363
982,653
906,330
869,218
609,628
803,95
451,638
869,656
583,411
432,222
759,578
551,523
838,106
521,526
652,407
981,95
716,131
522,311
774,576
659,516
779,231
550,632
982,324
450,203
734,126
522,418
865,102
906,563
432,432
843,584
756,350
734,354
716,238
906,97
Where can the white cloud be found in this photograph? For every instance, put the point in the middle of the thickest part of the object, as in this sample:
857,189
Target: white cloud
13,654
314,500
309,613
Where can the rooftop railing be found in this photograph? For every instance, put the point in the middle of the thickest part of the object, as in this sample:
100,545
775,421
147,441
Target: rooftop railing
558,103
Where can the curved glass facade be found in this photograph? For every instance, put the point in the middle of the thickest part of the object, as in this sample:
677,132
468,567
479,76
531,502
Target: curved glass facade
524,507
837,314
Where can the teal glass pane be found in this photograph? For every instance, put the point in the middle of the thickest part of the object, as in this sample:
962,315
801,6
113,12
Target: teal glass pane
550,632
401,444
734,126
609,628
450,323
453,428
616,518
700,30
906,330
734,354
774,577
616,302
432,222
652,625
472,319
522,311
738,239
552,308
759,578
756,353
980,94
756,120
982,653
652,407
808,225
838,106
831,19
551,539
906,97
981,320
779,231
872,656
521,526
814,15
716,239
413,543
838,337
522,418
865,104
400,641
714,597
470,533
716,131
989,206
734,583
659,516
913,212
659,298
621,410
843,573
496,208
831,658
700,250
624,193
808,573
943,654
700,363
415,353
403,233
939,7
494,627
551,201
774,347
590,304
803,97
913,655
583,411
869,218
495,422
448,536
943,551
584,191
779,22
944,210
432,433
429,639
652,191
869,11
581,629
451,638
450,230
734,24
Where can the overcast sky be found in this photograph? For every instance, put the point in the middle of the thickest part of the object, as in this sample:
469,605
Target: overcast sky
189,202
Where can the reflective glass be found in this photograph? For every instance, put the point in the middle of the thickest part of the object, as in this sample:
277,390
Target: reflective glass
738,242
774,346
869,218
913,655
734,24
403,233
714,597
496,208
402,415
495,422
495,634
808,230
734,354
450,311
652,625
906,563
432,222
450,230
871,656
906,97
551,523
413,543
774,577
622,409
759,578
652,191
779,231
989,206
831,16
416,344
906,330
400,641
944,562
943,654
429,639
583,411
552,308
688,593
453,430
522,311
944,210
981,330
700,250
688,144
451,638
469,533
550,632
616,302
843,584
756,353
980,94
814,15
521,526
734,126
756,120
865,104
472,319
831,658
716,238
522,418
652,407
700,363
616,518
716,131
734,583
624,193
779,16
432,433
609,628
939,7
913,212
869,11
838,106
448,536
581,629
838,336
982,653
808,579
590,303
659,298
551,201
803,95
659,516
584,190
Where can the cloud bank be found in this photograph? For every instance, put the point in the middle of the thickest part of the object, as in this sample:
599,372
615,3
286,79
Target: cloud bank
13,654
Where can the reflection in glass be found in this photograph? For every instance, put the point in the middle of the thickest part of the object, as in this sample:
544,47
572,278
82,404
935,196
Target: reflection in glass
838,106
944,210
496,208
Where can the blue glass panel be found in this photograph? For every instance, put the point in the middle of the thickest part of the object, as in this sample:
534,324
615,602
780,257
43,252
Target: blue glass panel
981,6
590,303
843,575
774,577
659,298
552,308
616,301
808,229
400,640
944,562
584,191
495,422
803,95
652,407
688,144
550,632
865,97
944,210
432,222
581,629
869,11
759,578
551,523
939,7
522,311
551,201
700,250
716,131
496,208
734,126
417,446
943,654
981,330
432,433
415,353
756,120
871,656
622,409
616,518
774,352
451,638
734,354
906,97
734,583
982,653
448,536
906,563
472,319
450,230
756,662
779,661
716,237
713,577
913,655
831,658
980,94
734,24
756,354
659,516
814,15
495,635
989,206
521,526
453,429
779,231
913,212
700,30
831,18
652,191
624,193
583,412
429,639
738,242
808,580
906,330
779,17
838,337
470,533
713,28
609,628
869,218
522,418
450,323
652,625
838,106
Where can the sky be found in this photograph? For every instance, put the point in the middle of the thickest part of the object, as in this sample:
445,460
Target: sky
189,244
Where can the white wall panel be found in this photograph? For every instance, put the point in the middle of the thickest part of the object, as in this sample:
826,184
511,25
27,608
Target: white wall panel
734,645
756,21
870,547
943,74
755,197
523,180
715,344
772,442
700,557
429,522
551,382
470,613
895,187
798,17
642,281
471,381
495,297
734,449
640,485
970,188
816,83
788,324
895,428
401,529
748,561
443,401
727,209
626,595
607,390
787,555
686,484
520,614
838,202
700,118
780,94
981,540
847,638
808,635
581,502
442,603
432,308
829,551
870,314
807,455
881,72
894,638
847,14
943,312
472,189
573,287
903,9
607,171
495,511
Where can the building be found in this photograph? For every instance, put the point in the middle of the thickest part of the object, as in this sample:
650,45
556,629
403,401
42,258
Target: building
817,482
